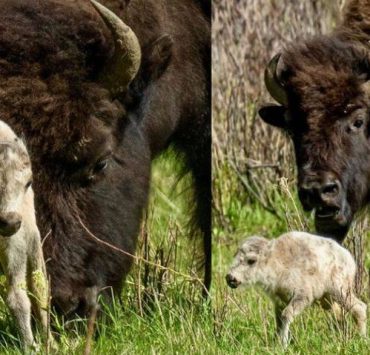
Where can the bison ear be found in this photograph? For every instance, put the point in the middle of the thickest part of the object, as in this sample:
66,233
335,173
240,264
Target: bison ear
273,115
363,68
156,57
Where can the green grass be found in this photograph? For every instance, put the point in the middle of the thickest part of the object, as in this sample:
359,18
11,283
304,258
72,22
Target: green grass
162,312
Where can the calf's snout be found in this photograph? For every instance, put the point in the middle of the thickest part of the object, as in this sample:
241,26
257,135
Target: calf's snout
9,223
232,281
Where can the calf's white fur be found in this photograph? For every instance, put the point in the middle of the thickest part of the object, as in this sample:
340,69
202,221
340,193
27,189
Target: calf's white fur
295,270
21,258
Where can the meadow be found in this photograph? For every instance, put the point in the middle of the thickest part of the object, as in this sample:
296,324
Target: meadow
161,309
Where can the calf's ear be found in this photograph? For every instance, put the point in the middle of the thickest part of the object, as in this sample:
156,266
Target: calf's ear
273,115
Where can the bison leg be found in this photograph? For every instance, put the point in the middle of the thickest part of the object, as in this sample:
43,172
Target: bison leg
15,270
294,308
329,304
278,311
358,310
20,306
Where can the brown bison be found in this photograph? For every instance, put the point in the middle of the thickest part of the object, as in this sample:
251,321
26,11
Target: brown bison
323,87
97,94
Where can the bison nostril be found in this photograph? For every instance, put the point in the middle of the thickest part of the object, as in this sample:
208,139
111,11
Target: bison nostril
316,190
330,189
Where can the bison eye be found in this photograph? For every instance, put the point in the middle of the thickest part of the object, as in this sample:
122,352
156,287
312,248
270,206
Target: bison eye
251,261
100,166
355,126
28,185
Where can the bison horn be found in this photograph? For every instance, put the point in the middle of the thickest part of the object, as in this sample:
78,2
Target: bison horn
123,66
273,81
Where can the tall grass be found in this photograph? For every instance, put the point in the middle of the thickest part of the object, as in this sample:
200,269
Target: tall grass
160,309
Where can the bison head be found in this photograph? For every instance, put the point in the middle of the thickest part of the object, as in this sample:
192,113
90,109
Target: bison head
72,78
323,90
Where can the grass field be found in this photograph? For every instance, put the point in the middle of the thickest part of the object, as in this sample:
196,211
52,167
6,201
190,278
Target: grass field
162,312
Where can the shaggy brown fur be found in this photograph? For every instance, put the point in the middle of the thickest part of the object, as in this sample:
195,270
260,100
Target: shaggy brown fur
91,153
327,115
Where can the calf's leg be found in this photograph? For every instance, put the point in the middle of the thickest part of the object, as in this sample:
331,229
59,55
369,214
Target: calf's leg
20,306
279,306
14,264
329,304
358,310
294,307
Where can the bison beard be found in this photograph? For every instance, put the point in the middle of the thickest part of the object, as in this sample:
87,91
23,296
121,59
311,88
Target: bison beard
323,87
91,146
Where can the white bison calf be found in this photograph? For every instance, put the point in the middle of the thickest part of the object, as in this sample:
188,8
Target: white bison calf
295,270
21,257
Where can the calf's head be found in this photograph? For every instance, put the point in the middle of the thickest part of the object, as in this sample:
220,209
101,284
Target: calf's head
323,89
15,180
245,266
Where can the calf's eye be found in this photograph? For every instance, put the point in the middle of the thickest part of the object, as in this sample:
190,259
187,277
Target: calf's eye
358,123
28,185
251,261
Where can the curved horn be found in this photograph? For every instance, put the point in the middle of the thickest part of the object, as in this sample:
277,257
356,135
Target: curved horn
122,68
273,83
